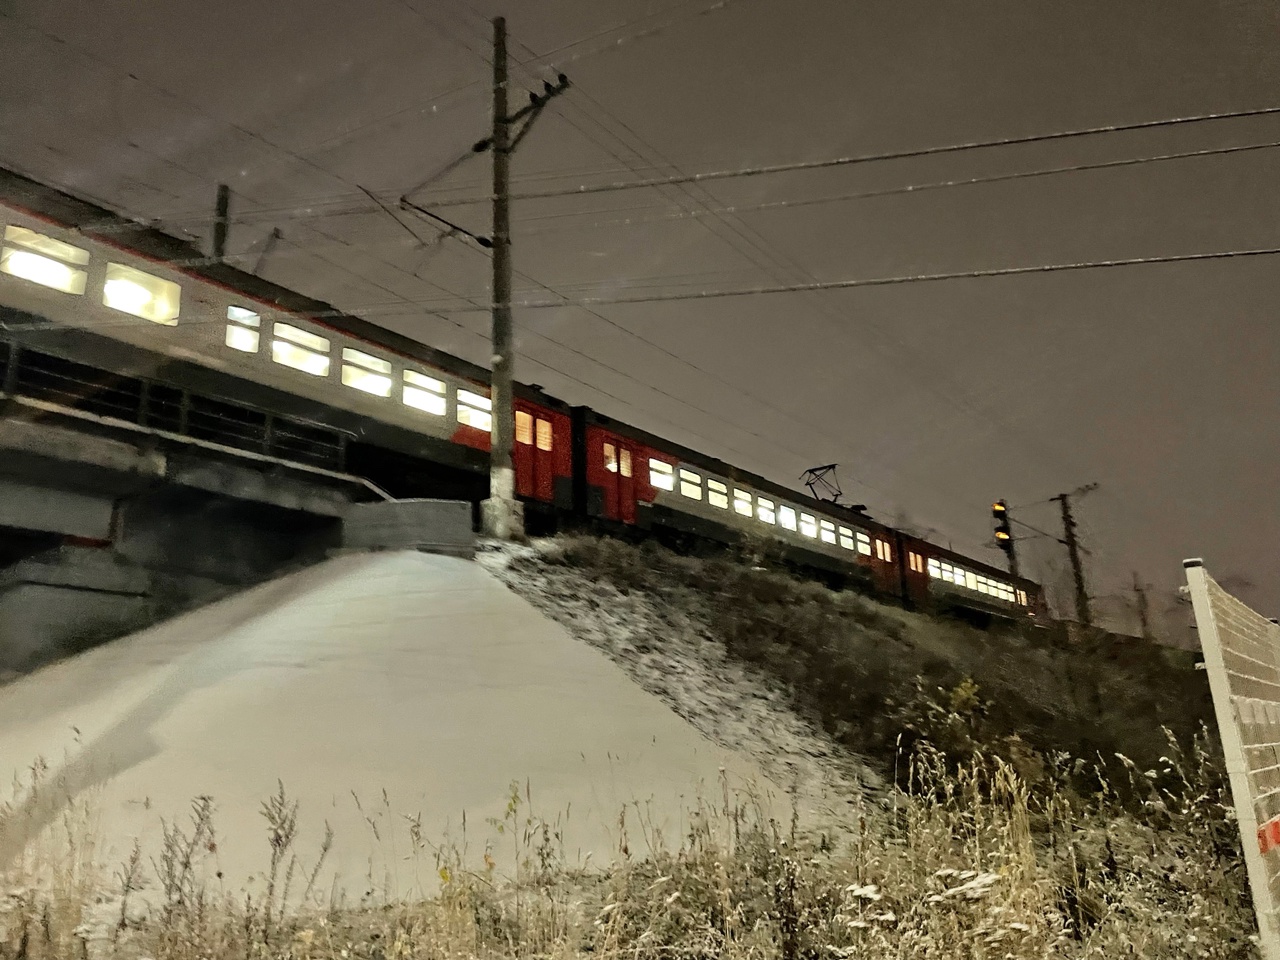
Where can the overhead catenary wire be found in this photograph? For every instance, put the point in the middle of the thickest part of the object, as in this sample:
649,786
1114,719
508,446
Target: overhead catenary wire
832,162
906,188
1044,268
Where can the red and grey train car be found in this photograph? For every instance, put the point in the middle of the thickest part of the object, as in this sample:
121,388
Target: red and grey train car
630,477
104,317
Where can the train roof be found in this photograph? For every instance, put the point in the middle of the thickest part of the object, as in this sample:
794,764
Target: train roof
110,227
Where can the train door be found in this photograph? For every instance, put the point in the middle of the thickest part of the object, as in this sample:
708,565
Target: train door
620,462
533,455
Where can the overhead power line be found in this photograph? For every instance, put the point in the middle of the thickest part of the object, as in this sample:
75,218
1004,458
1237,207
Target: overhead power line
801,165
896,191
898,280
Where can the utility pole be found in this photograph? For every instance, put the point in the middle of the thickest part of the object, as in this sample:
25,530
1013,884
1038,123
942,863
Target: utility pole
503,514
1144,609
1073,552
221,219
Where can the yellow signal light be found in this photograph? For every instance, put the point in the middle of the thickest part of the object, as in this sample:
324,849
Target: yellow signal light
999,507
1001,535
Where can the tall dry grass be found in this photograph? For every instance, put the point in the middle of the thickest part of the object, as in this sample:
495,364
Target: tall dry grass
963,862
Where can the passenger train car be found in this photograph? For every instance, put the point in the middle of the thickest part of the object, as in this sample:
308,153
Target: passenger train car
107,318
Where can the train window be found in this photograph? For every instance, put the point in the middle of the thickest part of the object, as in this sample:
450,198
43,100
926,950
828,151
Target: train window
142,295
624,461
43,260
846,538
717,494
864,544
808,525
742,502
524,429
474,410
970,580
764,510
424,393
690,484
303,351
787,517
543,434
1022,598
366,372
935,569
611,458
242,329
662,475
828,531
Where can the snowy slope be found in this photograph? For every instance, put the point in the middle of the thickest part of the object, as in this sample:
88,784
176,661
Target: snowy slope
416,675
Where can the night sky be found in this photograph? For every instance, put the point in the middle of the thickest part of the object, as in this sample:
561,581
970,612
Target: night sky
1159,382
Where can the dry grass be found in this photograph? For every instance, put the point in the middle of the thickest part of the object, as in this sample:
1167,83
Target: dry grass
864,671
965,863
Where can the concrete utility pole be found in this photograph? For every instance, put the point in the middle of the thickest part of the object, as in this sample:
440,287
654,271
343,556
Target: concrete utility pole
1144,609
221,219
502,513
1073,552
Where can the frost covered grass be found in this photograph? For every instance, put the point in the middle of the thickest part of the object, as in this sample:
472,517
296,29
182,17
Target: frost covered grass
862,672
962,862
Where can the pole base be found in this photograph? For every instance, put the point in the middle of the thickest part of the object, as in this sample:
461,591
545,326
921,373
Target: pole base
502,519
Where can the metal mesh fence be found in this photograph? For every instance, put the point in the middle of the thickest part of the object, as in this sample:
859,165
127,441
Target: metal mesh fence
1242,658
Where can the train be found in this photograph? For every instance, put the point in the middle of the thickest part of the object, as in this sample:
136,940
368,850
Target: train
106,317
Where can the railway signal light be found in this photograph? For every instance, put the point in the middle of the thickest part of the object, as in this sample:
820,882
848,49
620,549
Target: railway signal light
1004,533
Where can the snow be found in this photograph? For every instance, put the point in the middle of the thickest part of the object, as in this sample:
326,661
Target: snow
672,657
418,686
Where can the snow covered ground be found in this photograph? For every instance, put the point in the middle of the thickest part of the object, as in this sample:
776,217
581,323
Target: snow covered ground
389,693
672,657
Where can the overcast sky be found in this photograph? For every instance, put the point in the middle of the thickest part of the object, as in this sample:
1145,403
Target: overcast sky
1159,382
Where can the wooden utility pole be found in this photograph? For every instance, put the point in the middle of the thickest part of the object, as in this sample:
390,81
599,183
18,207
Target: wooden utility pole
1073,552
503,514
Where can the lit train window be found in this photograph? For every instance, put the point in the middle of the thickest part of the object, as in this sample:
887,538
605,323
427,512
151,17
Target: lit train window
424,393
524,428
808,525
365,372
913,561
787,517
543,434
717,494
864,544
242,329
662,475
611,458
1022,597
474,410
846,538
742,502
970,580
43,260
690,485
764,510
300,350
140,294
935,569
828,531
624,460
